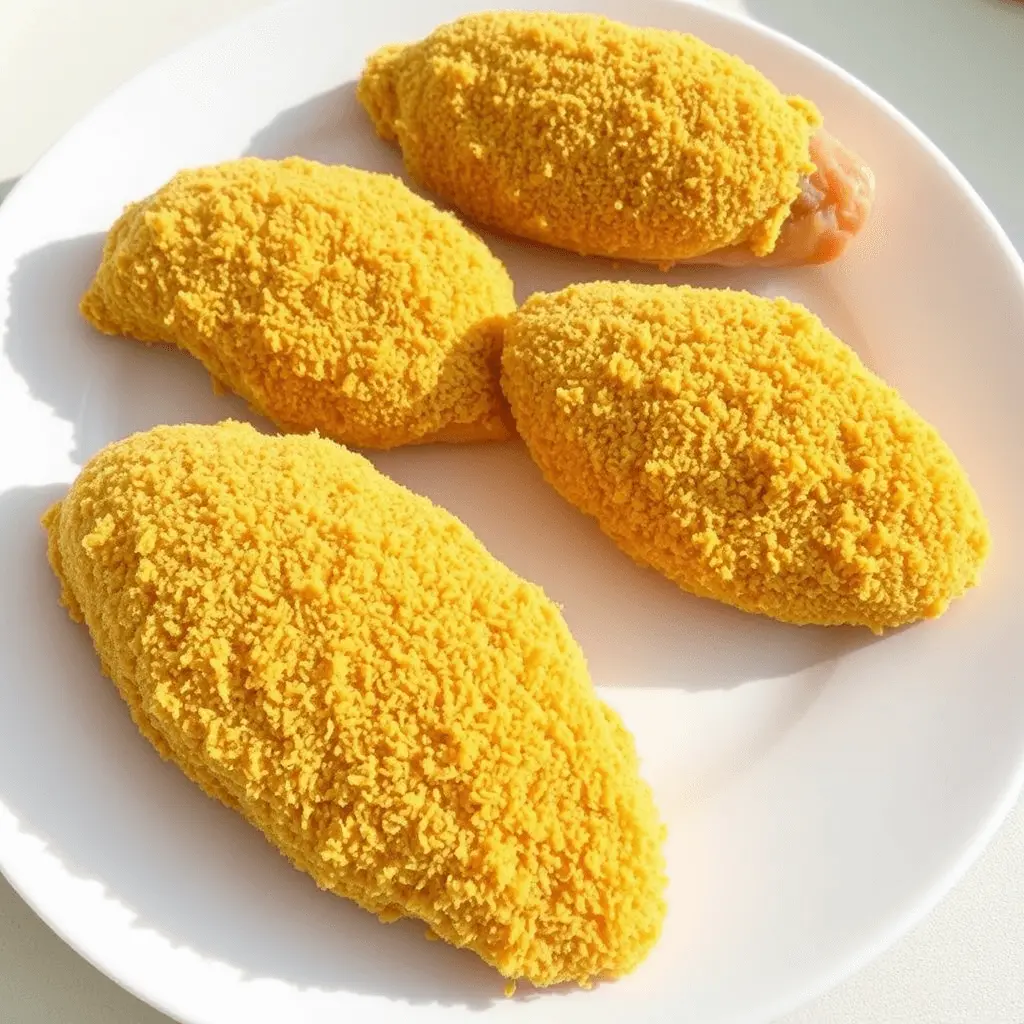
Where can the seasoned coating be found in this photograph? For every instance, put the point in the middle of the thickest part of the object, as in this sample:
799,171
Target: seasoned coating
595,136
343,662
737,446
329,298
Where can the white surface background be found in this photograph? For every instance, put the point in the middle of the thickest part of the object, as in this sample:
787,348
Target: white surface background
956,67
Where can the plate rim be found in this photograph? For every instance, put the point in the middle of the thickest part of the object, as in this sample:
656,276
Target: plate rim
889,931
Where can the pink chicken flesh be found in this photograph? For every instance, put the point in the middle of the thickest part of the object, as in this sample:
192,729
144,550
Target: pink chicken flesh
833,206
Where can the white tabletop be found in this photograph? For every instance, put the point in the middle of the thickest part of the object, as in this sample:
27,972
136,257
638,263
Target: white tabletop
956,67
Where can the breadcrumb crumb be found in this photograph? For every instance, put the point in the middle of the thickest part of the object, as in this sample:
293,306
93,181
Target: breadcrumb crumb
595,136
329,298
345,664
736,445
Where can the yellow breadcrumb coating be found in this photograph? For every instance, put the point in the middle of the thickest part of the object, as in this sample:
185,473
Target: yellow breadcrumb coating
329,298
344,663
588,134
736,445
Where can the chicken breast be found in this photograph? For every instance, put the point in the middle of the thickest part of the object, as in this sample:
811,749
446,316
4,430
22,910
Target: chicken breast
342,662
329,298
734,444
584,133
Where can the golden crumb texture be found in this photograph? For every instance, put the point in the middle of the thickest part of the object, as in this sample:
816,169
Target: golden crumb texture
329,298
591,135
736,445
345,664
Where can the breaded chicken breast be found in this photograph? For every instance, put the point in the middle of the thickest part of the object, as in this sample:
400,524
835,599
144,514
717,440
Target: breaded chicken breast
329,298
736,445
344,663
609,140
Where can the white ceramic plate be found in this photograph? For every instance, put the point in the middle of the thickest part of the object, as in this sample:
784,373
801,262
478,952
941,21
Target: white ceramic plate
823,788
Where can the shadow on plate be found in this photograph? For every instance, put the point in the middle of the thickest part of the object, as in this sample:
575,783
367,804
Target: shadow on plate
45,338
332,128
104,387
635,626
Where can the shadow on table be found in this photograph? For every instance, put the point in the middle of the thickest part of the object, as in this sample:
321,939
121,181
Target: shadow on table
45,980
